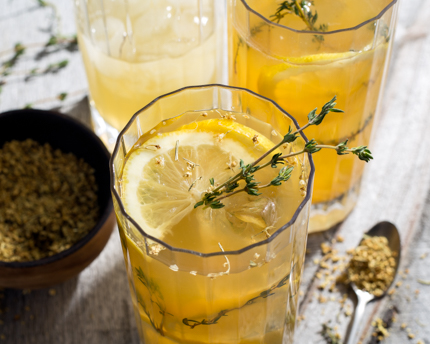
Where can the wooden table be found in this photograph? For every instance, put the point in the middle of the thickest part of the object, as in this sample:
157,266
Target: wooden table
95,307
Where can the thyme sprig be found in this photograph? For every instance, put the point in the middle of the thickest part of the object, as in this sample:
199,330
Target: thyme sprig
301,9
18,50
155,298
52,68
213,197
224,313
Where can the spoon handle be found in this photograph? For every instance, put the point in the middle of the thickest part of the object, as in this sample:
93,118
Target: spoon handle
363,299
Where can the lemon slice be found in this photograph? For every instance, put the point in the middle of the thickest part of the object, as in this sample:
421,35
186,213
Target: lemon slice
320,76
159,191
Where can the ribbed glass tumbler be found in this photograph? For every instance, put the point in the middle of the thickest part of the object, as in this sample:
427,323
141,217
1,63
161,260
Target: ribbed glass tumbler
279,57
246,295
136,50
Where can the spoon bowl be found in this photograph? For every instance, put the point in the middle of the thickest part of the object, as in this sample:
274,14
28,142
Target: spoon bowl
388,230
382,229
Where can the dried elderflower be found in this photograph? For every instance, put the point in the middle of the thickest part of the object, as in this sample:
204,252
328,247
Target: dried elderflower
372,266
48,200
381,329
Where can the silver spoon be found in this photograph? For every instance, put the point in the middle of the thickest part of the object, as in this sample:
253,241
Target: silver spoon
388,230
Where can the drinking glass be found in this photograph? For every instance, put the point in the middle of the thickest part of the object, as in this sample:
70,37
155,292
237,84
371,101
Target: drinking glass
297,67
135,50
244,296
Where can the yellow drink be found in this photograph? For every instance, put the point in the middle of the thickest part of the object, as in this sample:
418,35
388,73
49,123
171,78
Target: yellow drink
297,68
133,51
227,275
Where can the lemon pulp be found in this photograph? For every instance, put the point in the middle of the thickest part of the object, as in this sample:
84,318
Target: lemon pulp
159,192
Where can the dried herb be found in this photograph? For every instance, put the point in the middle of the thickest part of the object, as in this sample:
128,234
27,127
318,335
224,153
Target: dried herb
381,326
330,335
372,266
230,187
48,200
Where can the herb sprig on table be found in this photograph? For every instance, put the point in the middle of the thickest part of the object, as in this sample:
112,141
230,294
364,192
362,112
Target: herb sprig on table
301,9
251,186
55,43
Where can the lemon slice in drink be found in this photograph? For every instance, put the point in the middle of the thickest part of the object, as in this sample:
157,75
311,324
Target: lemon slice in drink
159,191
319,77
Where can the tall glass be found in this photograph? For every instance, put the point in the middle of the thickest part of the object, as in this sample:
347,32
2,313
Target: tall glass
244,296
296,67
135,50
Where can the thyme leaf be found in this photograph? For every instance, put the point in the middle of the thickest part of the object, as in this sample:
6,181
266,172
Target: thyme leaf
245,178
303,10
18,50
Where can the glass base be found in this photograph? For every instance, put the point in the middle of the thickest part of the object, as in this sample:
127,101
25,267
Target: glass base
326,215
106,132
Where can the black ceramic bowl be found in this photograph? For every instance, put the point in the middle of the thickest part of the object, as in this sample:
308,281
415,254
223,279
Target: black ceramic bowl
70,136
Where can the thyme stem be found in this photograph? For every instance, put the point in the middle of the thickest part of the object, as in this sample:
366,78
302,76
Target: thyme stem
230,187
230,194
301,9
302,15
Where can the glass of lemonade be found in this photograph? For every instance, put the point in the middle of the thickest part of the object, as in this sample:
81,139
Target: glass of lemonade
203,275
280,58
135,50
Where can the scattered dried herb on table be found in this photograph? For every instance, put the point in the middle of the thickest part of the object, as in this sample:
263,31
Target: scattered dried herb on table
48,200
330,334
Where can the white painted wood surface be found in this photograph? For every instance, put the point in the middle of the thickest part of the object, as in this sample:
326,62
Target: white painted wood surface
95,307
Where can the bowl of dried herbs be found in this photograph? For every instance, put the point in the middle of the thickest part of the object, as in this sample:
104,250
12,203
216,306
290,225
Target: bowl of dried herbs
56,212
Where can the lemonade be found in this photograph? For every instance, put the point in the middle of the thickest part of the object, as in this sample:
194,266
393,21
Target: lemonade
296,68
157,190
134,50
202,275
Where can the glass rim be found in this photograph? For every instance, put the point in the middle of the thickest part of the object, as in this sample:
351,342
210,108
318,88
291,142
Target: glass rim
352,28
218,253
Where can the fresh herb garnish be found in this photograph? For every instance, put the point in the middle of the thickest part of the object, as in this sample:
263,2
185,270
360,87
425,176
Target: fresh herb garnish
301,9
156,300
223,313
230,187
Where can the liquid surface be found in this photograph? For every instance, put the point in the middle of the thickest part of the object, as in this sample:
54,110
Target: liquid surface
227,299
135,51
302,71
338,15
160,192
